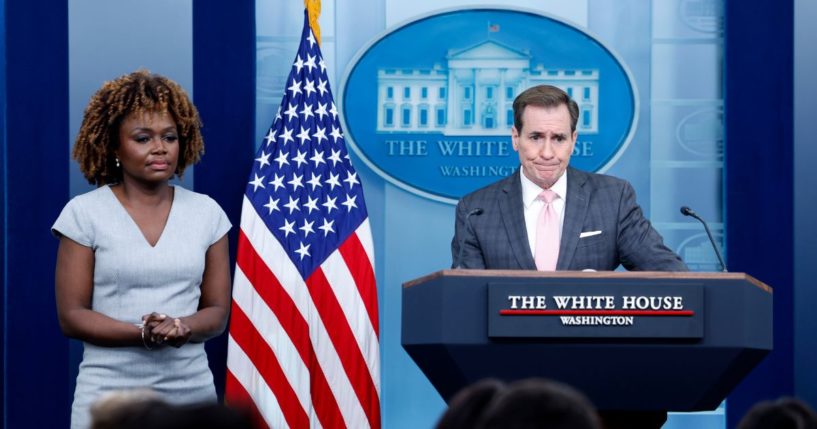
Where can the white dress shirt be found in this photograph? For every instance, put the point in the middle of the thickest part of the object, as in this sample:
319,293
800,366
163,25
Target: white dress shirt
534,206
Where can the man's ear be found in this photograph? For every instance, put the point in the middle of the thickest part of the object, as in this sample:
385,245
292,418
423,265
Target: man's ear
515,138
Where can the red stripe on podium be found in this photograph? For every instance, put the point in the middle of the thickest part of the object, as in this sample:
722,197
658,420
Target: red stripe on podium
509,312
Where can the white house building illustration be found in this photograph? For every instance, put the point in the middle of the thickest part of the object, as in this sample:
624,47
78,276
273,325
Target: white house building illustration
474,92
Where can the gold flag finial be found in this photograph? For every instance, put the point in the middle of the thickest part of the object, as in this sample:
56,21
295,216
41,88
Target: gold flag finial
313,8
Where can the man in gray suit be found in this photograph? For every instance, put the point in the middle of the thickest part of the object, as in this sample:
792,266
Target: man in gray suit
596,220
599,223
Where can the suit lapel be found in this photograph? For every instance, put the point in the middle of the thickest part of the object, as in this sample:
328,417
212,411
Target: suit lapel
575,211
513,217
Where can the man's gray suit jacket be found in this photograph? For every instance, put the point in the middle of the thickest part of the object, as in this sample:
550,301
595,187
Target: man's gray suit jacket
498,239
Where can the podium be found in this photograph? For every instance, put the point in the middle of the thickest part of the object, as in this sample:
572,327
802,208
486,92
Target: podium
644,341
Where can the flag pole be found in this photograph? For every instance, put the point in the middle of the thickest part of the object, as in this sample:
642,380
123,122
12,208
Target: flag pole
313,8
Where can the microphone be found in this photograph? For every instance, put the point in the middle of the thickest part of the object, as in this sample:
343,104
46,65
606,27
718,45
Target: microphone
475,212
686,211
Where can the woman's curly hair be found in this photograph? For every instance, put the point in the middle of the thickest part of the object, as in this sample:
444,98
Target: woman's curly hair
138,92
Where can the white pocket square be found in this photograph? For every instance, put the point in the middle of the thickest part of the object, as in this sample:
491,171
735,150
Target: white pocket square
589,234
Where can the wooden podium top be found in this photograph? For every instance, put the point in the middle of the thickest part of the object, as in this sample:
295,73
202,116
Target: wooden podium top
589,275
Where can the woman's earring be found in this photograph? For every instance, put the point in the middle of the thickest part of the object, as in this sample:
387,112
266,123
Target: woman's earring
117,162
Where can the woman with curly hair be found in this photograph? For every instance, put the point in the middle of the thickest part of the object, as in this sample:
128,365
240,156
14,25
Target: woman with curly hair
142,274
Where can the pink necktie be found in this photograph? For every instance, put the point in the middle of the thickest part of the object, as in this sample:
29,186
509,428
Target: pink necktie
547,233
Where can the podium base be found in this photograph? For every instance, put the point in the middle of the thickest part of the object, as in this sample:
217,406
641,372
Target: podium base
633,419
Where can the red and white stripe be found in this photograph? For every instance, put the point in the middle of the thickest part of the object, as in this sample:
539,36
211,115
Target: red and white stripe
304,353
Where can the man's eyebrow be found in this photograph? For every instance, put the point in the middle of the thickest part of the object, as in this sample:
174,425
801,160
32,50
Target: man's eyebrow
539,133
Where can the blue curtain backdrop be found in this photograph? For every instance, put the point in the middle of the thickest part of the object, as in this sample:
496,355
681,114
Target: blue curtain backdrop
759,178
34,174
224,92
3,195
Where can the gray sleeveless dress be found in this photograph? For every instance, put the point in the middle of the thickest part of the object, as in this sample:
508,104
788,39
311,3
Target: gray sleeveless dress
132,279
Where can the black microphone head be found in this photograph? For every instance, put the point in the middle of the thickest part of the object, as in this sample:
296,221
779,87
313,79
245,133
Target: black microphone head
476,212
686,211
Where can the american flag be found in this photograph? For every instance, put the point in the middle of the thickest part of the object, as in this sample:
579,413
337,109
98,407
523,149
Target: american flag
303,349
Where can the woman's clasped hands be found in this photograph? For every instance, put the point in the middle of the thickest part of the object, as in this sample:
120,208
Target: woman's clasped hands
158,329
